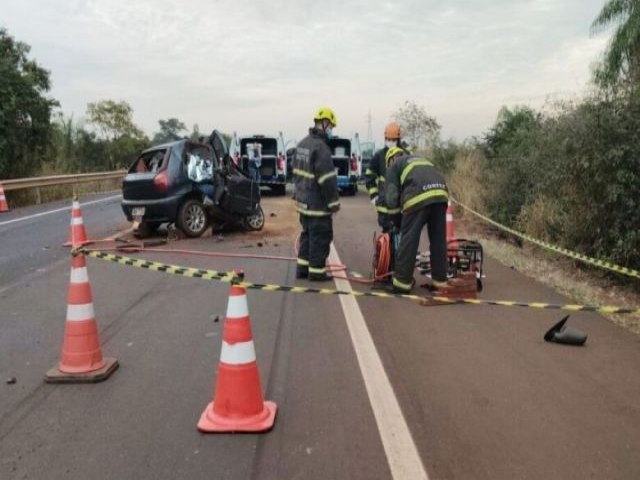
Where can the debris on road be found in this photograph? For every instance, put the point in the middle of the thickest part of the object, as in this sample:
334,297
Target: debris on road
560,333
12,380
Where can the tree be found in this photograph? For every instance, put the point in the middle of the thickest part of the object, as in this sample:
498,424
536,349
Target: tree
114,123
25,111
419,128
621,62
169,131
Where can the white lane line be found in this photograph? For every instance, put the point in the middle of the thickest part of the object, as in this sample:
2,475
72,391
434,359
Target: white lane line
7,222
402,454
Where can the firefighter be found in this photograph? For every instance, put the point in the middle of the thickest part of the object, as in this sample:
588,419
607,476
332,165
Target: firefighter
415,187
316,196
375,178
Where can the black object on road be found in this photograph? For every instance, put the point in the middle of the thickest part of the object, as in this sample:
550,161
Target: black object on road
560,333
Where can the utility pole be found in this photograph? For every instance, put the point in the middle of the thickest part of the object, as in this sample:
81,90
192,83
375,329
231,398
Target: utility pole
369,129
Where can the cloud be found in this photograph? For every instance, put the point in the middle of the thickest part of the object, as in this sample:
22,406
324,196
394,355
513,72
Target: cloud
266,66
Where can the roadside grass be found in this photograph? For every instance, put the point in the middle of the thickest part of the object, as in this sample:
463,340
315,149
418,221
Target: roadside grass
582,286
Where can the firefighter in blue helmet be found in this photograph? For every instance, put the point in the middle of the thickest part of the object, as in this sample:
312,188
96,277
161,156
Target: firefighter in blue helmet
316,196
415,187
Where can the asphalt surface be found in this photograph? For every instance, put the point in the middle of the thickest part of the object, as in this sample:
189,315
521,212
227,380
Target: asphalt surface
481,393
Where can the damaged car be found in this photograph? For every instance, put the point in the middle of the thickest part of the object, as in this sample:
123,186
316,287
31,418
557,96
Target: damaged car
157,189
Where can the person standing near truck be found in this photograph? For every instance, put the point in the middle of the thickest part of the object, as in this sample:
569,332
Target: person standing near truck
255,161
316,195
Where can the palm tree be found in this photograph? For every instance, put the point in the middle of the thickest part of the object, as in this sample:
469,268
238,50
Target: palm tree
621,62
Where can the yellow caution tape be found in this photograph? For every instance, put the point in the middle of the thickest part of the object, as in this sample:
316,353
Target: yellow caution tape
577,256
235,278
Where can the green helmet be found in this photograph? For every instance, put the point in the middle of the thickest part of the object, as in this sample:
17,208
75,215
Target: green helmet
325,113
392,152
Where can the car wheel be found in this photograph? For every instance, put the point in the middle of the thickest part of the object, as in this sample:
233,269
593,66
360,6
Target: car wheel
280,190
192,218
255,221
145,229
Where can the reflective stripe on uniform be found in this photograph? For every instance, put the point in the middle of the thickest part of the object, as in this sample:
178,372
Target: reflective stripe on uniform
368,171
388,211
302,262
317,270
411,166
303,173
313,213
424,196
405,286
326,177
373,190
334,204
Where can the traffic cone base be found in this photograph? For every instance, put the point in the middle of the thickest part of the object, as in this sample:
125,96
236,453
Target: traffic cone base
210,421
55,375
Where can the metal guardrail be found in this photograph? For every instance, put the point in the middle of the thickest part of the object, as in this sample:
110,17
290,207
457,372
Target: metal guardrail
34,182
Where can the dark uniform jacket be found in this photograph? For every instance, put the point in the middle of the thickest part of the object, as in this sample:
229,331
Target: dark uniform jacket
413,182
375,179
315,177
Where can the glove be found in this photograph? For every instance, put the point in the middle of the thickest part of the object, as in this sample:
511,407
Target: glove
334,208
374,200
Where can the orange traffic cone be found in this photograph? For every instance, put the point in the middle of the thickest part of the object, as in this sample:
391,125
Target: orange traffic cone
452,244
238,405
77,233
4,206
81,360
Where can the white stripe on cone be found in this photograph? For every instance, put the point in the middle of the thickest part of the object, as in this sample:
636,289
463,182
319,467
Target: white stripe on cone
449,217
75,205
238,354
79,275
237,307
79,313
76,221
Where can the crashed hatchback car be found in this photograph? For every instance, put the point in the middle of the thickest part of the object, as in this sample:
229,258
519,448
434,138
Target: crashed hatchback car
158,190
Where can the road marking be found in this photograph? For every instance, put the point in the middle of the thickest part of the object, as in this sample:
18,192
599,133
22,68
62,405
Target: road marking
402,454
7,222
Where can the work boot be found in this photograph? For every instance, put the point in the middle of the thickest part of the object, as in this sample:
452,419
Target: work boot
434,285
398,290
319,277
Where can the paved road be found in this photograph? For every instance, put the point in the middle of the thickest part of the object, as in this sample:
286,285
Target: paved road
481,395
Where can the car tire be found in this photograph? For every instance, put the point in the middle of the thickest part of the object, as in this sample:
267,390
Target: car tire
280,190
255,221
192,218
145,229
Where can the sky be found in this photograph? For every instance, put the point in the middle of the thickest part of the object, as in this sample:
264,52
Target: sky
260,67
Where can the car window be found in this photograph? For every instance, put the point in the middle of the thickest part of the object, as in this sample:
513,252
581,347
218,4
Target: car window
340,148
151,162
269,145
201,152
